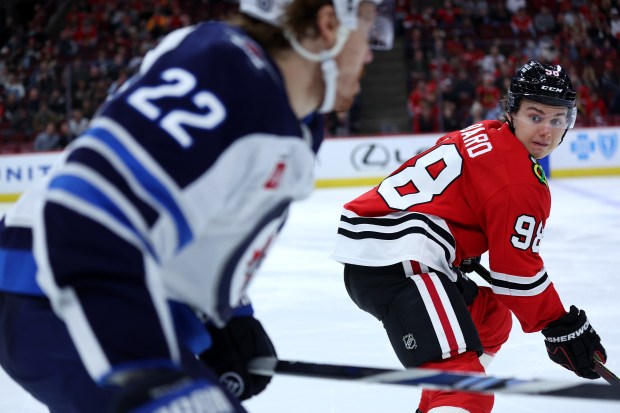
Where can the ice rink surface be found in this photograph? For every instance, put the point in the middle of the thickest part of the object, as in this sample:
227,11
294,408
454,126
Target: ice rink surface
300,298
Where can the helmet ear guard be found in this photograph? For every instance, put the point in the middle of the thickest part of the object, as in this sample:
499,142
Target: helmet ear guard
544,84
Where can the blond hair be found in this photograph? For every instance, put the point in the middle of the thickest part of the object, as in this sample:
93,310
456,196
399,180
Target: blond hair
299,20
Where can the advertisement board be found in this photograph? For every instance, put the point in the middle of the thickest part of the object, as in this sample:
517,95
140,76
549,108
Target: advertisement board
19,171
587,152
367,160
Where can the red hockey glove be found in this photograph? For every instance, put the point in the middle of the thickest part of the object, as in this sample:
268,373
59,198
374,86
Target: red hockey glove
572,342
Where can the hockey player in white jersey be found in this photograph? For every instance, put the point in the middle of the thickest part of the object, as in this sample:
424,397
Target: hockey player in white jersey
164,208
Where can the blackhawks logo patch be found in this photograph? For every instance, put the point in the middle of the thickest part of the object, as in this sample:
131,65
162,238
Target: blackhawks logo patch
539,173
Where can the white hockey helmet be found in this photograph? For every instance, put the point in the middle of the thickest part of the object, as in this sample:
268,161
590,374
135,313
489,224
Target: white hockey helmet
271,11
382,34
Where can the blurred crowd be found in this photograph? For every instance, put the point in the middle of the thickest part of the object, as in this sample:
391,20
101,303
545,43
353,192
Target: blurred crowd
461,56
51,84
57,67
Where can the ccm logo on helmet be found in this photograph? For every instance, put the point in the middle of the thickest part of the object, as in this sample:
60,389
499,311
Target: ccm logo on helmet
552,89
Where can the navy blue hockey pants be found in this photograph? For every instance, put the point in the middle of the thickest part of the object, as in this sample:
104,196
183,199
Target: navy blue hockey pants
37,352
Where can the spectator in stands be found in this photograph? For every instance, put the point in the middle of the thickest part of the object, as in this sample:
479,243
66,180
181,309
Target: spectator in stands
464,88
521,24
21,120
44,116
478,10
89,107
48,139
43,77
77,123
504,77
4,60
499,14
102,63
337,123
66,137
595,109
491,60
33,100
544,21
471,56
589,77
610,83
610,49
514,6
548,51
425,121
83,90
450,118
487,93
13,86
418,67
32,53
416,97
447,90
466,29
497,112
614,23
476,114
159,22
57,101
448,15
122,77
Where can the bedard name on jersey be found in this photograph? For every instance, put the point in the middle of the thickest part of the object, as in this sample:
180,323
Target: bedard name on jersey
476,190
172,223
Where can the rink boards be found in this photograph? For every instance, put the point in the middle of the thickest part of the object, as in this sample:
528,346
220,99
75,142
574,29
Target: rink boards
366,160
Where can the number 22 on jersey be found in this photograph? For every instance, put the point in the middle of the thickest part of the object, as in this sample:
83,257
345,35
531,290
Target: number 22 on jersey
180,84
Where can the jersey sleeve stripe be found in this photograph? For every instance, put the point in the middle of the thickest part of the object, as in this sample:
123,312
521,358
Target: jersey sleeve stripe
95,156
397,227
80,188
151,184
506,284
412,218
393,236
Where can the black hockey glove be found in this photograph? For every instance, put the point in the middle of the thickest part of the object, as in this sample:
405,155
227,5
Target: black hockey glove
572,342
168,390
241,340
468,264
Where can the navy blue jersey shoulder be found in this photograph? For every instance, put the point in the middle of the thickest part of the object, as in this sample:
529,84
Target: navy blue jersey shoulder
199,91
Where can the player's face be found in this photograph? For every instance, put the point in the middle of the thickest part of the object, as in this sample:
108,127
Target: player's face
540,127
355,55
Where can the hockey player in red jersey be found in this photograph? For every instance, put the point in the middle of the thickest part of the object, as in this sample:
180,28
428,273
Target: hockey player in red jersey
123,274
480,189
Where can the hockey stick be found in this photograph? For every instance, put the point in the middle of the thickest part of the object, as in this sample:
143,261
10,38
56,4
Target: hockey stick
604,372
599,367
436,379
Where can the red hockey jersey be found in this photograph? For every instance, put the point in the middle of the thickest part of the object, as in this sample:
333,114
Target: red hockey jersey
476,190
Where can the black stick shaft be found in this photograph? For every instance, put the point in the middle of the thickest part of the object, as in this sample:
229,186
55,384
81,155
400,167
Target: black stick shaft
436,379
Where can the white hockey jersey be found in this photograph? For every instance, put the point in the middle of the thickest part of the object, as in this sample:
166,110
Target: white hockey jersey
175,192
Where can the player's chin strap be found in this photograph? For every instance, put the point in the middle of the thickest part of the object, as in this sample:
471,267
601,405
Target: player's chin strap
328,64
